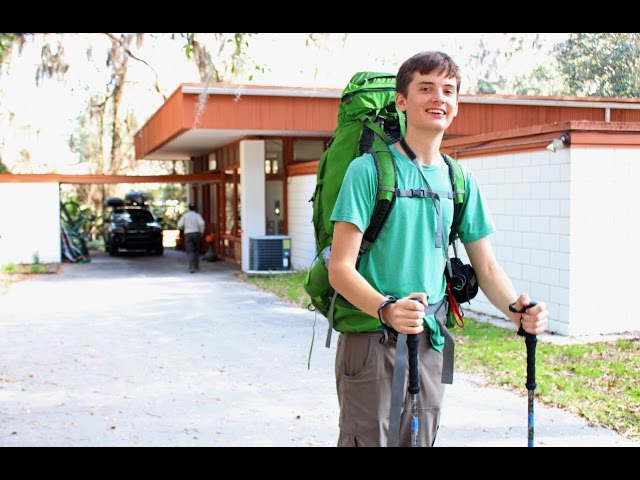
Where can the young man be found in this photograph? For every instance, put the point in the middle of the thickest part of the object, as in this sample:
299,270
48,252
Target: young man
407,262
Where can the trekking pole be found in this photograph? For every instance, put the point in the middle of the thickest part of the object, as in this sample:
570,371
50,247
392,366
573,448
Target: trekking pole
414,385
531,341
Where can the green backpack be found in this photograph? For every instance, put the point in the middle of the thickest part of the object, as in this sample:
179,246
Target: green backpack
368,122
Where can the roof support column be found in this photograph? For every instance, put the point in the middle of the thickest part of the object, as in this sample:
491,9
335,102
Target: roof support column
252,194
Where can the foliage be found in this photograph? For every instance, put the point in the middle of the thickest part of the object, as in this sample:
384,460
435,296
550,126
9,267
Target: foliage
285,286
484,67
80,221
600,64
36,268
9,268
171,198
229,59
6,42
541,81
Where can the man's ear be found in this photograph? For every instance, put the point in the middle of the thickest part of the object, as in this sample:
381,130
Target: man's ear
401,102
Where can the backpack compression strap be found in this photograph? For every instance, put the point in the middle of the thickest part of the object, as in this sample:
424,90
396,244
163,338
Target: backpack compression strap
387,183
457,181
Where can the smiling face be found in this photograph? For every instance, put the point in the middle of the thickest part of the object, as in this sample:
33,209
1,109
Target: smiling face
428,85
431,101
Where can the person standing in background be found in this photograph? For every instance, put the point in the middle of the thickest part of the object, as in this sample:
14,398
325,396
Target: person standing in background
193,225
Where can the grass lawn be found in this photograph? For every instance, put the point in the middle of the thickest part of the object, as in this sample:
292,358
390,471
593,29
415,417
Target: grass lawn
599,381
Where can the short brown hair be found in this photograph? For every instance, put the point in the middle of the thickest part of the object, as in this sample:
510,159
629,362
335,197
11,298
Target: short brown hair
424,63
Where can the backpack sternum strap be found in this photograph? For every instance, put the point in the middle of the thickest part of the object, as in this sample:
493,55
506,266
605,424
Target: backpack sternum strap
423,193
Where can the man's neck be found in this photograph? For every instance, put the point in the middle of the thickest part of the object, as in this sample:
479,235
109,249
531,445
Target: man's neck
425,146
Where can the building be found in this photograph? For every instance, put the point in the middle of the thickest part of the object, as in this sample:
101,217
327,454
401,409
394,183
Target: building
557,173
265,144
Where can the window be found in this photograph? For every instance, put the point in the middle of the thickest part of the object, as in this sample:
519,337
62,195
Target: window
307,150
273,157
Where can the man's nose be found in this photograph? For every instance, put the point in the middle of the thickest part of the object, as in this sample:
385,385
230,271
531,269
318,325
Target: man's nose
438,96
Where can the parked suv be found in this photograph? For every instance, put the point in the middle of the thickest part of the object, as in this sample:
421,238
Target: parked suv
133,228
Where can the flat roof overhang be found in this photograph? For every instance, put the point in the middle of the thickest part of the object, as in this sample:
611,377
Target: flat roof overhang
178,132
233,112
580,134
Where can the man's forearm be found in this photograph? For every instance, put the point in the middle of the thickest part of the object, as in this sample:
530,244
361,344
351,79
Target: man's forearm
498,289
348,282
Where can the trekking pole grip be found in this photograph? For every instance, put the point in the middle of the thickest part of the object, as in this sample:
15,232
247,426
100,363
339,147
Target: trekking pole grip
531,342
412,344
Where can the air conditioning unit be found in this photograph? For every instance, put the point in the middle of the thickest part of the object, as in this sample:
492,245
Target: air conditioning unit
270,252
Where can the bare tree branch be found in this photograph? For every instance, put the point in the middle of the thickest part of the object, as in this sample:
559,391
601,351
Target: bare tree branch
128,51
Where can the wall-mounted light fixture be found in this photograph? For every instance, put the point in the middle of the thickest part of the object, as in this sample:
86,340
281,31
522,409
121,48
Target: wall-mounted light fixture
558,143
276,208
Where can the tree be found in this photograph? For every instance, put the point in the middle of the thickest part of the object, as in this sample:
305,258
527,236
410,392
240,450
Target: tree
600,64
543,80
6,42
105,129
231,58
3,167
231,55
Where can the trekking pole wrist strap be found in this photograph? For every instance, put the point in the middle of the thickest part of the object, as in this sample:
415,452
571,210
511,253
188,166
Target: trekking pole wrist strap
388,300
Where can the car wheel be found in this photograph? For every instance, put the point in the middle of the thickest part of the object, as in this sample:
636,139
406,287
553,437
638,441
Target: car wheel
113,251
159,250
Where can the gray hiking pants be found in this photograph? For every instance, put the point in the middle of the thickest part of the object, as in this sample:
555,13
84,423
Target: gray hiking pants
364,367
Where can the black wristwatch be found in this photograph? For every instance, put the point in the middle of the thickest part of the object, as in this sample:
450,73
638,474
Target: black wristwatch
389,299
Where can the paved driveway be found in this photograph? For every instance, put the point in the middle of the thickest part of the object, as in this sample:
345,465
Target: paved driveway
134,350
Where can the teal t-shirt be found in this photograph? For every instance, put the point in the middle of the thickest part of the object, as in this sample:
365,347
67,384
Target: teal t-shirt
404,258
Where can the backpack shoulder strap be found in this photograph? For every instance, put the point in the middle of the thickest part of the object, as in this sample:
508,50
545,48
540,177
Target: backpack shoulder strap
456,175
387,183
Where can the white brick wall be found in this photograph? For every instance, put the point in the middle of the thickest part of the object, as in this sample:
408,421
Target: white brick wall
525,193
299,191
604,220
29,222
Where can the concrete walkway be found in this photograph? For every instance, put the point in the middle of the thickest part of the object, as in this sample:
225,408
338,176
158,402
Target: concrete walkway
135,351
